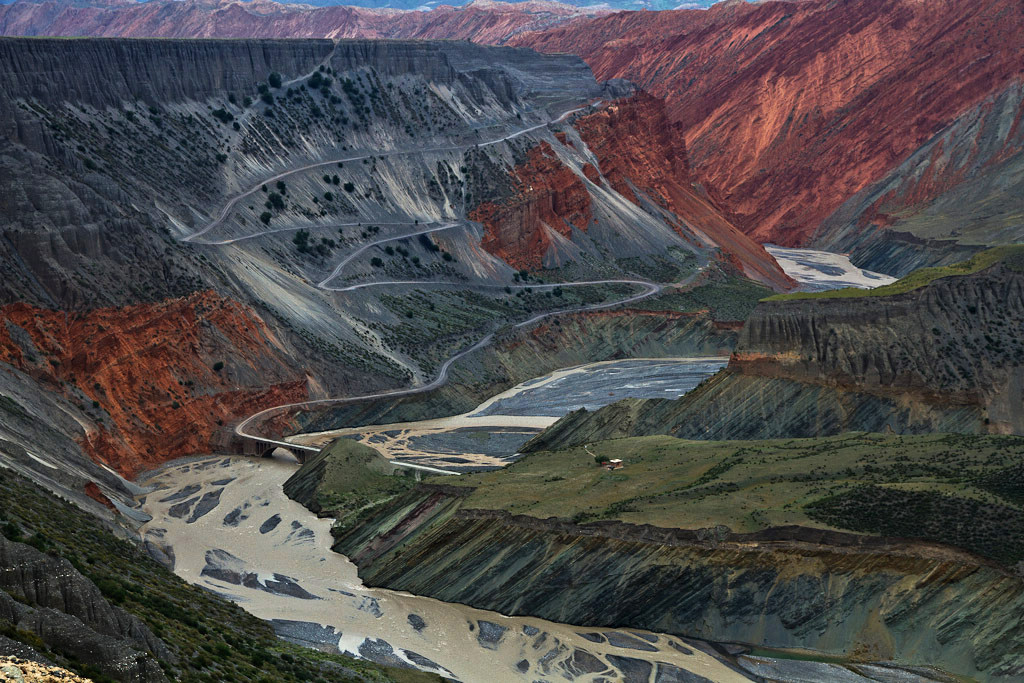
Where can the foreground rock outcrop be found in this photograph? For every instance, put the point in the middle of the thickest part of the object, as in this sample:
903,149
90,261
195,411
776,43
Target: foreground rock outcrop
50,598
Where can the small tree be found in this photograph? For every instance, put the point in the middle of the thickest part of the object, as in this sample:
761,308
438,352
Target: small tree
376,262
218,366
349,187
265,217
274,79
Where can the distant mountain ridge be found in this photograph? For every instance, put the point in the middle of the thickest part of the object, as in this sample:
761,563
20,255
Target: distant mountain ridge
484,22
790,109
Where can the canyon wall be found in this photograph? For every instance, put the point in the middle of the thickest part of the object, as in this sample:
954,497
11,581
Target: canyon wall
789,109
617,183
156,380
943,358
959,191
862,598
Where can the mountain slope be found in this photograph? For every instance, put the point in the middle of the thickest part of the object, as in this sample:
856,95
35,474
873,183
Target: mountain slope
788,109
943,356
124,341
615,185
485,22
959,191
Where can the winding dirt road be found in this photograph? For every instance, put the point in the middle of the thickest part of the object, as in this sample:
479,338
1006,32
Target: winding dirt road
650,289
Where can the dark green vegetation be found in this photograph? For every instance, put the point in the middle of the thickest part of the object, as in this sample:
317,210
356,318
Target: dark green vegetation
345,480
986,528
211,638
727,299
952,489
432,325
1011,255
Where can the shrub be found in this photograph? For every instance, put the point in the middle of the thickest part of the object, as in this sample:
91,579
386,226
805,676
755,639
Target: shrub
112,589
349,187
376,262
265,217
274,79
218,366
223,115
301,240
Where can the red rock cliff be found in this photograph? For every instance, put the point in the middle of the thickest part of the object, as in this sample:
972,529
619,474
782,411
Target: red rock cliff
789,108
636,143
150,371
549,199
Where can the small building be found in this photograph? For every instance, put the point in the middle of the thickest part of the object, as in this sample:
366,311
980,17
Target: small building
614,464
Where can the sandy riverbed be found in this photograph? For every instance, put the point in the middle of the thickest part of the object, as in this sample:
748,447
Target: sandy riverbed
229,527
490,434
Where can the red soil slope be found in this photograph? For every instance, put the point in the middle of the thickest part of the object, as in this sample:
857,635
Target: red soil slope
789,108
548,194
636,146
653,158
150,369
480,21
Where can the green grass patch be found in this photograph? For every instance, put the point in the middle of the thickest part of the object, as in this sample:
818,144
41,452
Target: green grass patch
730,299
931,483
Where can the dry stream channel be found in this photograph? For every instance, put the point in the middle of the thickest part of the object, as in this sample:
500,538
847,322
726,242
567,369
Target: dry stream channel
226,525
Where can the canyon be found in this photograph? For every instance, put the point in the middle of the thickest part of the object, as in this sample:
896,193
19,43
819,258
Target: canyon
655,346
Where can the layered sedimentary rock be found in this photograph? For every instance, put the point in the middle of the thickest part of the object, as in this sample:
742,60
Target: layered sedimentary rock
960,190
639,148
550,196
156,379
789,109
568,198
863,598
486,22
946,357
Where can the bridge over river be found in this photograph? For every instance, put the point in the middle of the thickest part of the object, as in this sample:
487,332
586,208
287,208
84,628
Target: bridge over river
228,440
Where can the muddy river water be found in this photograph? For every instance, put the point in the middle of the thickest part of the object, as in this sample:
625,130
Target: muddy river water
225,524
